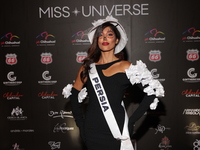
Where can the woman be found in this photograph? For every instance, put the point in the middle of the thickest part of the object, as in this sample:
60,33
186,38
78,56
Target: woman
106,77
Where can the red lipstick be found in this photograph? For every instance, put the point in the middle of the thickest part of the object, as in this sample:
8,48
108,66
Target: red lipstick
105,43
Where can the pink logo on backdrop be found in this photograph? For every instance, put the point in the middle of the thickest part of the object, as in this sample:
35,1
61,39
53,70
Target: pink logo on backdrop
191,35
45,39
154,36
16,147
80,38
9,36
10,40
154,32
192,31
45,35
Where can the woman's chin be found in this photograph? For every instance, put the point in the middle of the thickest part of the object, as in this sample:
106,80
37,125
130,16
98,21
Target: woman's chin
107,50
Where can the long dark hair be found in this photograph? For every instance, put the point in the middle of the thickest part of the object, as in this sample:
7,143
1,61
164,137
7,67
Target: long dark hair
94,51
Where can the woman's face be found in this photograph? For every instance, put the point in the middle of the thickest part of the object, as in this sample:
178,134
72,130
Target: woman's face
107,40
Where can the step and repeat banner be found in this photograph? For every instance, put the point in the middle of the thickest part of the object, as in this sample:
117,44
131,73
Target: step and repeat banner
43,43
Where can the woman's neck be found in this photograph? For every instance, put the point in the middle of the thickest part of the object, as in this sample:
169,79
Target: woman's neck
107,57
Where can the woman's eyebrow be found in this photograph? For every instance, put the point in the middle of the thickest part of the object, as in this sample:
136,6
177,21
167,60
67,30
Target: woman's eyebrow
109,31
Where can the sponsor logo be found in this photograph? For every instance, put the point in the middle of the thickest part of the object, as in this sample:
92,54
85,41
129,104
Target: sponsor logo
192,54
12,80
62,114
80,56
47,79
192,128
160,129
16,147
62,128
191,35
165,143
154,36
46,95
46,58
155,55
91,10
45,39
17,114
194,112
191,93
21,130
10,40
80,38
11,59
156,76
54,145
196,144
192,76
11,96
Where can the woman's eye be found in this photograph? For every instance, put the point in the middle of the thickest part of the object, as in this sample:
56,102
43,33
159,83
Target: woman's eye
110,34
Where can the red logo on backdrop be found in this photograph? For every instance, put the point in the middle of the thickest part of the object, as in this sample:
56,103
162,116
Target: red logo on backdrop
46,95
165,143
81,56
154,55
192,54
191,93
11,59
10,95
46,58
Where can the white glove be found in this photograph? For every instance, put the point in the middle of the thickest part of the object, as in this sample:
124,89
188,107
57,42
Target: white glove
82,95
154,104
67,91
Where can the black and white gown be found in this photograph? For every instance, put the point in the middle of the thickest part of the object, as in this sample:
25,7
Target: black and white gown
97,134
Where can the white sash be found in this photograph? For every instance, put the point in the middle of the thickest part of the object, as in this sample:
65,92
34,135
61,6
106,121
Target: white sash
126,143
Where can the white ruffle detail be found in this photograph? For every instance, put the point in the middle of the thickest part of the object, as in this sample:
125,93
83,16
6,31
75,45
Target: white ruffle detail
67,91
82,95
140,74
137,73
154,104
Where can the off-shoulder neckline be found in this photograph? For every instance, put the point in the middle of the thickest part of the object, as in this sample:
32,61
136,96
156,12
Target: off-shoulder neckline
109,62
